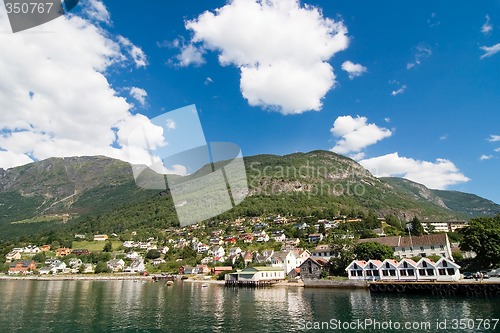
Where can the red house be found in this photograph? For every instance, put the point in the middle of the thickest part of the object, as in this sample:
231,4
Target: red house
22,267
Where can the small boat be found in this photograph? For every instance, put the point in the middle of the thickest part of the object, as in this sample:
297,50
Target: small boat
204,285
170,283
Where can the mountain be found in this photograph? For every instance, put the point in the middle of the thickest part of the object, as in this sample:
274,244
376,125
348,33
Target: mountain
99,194
464,204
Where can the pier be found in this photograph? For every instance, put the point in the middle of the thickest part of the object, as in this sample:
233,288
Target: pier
249,284
437,288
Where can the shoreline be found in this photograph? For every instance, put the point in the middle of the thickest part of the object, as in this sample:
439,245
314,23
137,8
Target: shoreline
75,277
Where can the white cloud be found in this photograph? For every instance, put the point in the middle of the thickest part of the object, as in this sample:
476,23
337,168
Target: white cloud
421,53
487,27
139,95
208,81
96,11
438,175
9,159
280,47
171,125
55,97
135,52
190,55
494,138
443,137
485,157
497,150
177,169
354,70
490,50
399,91
356,134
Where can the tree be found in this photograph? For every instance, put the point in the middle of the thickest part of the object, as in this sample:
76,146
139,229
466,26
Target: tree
108,247
416,227
101,267
153,254
342,250
482,236
373,250
39,257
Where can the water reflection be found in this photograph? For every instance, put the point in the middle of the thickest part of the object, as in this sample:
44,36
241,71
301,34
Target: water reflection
128,306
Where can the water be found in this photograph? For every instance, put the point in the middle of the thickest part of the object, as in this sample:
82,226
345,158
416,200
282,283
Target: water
128,306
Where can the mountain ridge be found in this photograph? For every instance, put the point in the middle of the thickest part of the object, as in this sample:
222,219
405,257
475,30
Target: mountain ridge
99,188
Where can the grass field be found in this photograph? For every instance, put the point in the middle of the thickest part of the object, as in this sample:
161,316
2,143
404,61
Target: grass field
93,246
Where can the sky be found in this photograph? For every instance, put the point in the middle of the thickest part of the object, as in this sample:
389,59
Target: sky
405,88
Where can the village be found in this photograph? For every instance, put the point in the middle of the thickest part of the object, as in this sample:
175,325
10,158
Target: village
247,249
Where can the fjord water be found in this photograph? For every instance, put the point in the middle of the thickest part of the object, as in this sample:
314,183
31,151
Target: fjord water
136,306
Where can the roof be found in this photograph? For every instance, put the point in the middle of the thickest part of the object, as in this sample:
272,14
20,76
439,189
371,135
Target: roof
408,241
431,239
24,263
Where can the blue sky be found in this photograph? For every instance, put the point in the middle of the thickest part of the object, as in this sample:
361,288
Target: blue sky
406,88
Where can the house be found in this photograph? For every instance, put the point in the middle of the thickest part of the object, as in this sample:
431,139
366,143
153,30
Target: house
31,249
262,237
12,255
356,270
203,269
234,251
132,255
315,238
372,269
88,269
217,251
247,257
312,268
202,248
408,270
220,269
447,270
404,270
100,238
158,261
426,269
22,267
79,252
45,248
246,238
62,252
279,236
323,252
230,240
294,274
286,260
116,265
136,266
59,267
75,263
300,226
184,270
257,274
46,270
413,246
389,270
80,236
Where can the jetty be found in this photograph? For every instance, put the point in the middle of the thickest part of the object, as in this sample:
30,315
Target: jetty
437,288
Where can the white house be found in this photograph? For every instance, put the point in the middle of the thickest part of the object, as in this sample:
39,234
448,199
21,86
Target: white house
356,270
136,266
234,251
217,251
413,246
286,260
447,270
426,269
408,270
323,252
257,274
389,270
133,255
372,269
116,265
404,270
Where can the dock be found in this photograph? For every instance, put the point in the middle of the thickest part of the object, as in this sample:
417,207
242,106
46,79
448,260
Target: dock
437,288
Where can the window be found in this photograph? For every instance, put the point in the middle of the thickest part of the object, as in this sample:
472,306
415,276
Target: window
445,263
450,271
421,272
360,273
411,272
424,264
405,264
441,247
430,271
353,273
392,272
387,265
421,248
442,271
403,249
403,272
432,247
384,273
